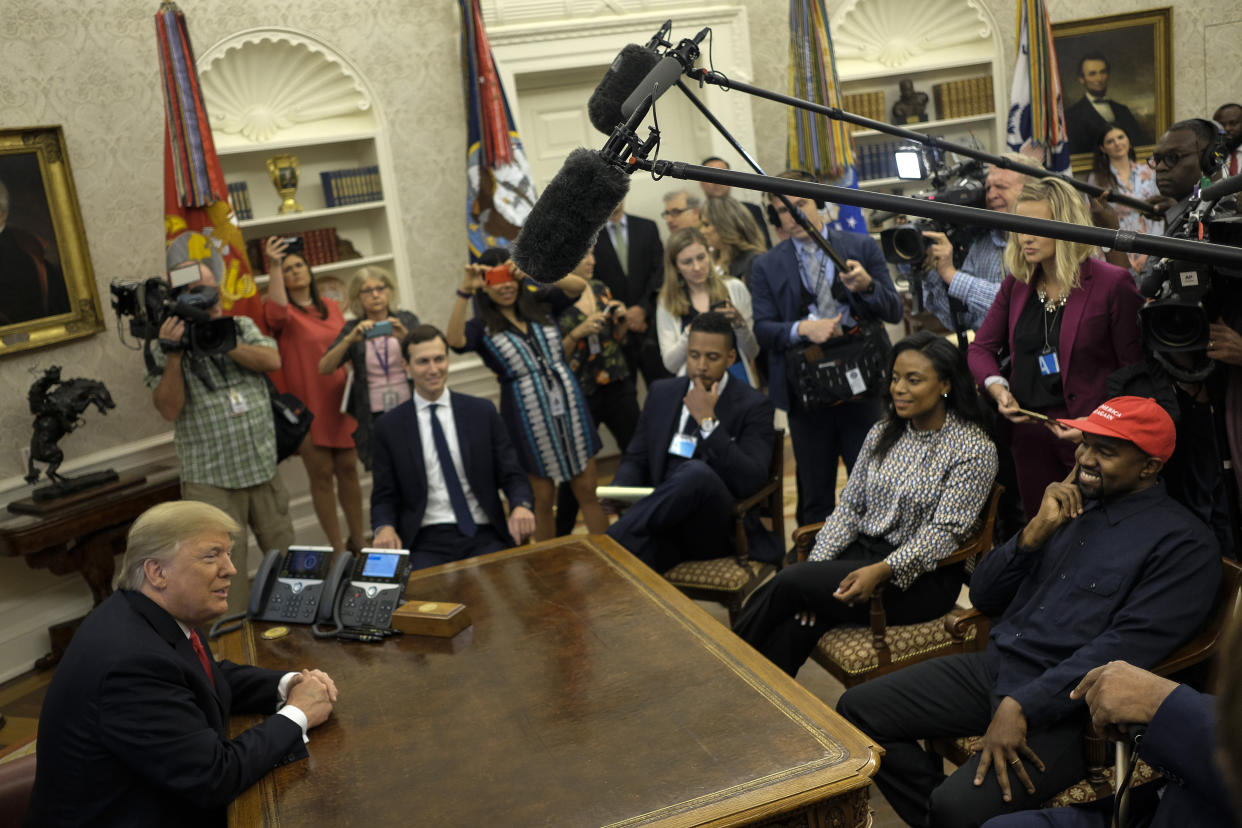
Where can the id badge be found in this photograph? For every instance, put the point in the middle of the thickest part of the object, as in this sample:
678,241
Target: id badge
388,400
237,403
556,400
683,445
593,345
1049,364
855,378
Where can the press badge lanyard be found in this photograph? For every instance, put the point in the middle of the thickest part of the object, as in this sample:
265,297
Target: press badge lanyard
819,313
388,397
556,396
1048,362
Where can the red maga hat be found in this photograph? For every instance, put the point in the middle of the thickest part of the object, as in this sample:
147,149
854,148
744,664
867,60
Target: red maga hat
1140,420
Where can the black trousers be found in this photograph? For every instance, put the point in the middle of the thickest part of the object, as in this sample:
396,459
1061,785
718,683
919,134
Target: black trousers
820,438
687,517
768,624
949,697
443,543
616,406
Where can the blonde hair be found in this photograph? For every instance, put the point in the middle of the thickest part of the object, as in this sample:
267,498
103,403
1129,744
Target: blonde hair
360,278
158,533
675,295
735,226
1065,205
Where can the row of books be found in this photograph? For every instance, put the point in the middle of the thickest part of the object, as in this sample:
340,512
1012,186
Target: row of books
239,200
963,98
341,187
867,104
875,160
319,247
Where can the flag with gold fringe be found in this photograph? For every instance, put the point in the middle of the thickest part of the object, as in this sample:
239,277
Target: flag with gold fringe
500,188
1036,113
197,215
820,145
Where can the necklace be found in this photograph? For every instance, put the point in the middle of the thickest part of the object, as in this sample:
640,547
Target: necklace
1054,305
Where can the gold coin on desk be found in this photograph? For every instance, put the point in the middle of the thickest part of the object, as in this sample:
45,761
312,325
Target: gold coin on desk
275,632
428,607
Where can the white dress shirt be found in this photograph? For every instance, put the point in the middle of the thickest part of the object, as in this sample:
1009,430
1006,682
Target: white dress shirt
439,509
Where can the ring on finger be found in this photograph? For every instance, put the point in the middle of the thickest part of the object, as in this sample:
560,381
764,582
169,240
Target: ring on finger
1015,761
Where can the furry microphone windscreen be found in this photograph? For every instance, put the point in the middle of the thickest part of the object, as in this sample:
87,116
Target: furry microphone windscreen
564,222
622,78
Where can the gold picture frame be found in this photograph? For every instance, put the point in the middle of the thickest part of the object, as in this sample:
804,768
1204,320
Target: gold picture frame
46,279
1138,51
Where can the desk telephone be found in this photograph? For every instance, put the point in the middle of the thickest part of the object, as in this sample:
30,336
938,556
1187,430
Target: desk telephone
305,585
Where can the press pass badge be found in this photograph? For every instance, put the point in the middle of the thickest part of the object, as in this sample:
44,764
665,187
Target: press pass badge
556,400
1049,364
388,400
683,445
855,378
237,403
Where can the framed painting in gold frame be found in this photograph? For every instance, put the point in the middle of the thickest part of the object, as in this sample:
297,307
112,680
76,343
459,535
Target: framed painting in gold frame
46,279
1125,59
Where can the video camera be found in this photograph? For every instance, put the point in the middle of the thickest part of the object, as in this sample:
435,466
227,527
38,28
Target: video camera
1187,297
963,184
150,302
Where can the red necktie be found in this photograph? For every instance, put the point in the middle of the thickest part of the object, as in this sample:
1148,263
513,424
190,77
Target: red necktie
1233,163
201,652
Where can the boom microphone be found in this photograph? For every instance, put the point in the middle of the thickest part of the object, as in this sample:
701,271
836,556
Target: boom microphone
628,70
1222,188
564,222
665,74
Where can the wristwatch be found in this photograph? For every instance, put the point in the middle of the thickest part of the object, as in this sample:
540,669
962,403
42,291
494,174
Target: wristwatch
707,425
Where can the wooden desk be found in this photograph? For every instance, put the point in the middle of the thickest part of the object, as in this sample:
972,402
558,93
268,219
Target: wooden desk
85,536
587,692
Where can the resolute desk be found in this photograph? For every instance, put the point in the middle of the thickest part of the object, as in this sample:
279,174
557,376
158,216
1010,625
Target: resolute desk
588,692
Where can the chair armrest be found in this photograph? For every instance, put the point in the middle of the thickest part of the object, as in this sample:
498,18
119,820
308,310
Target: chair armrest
741,507
960,619
804,539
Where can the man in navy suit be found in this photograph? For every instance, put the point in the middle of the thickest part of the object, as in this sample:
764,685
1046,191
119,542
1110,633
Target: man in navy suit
439,460
799,297
1091,114
704,441
629,260
135,725
1180,730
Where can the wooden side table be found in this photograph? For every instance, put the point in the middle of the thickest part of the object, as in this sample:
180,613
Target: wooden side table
84,535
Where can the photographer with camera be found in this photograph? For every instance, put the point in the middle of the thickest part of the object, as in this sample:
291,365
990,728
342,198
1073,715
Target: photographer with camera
595,331
219,403
1190,327
961,296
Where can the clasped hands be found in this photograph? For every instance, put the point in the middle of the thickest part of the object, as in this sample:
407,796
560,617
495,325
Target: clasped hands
857,586
314,693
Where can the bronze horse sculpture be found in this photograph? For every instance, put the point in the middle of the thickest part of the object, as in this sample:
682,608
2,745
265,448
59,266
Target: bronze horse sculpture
58,406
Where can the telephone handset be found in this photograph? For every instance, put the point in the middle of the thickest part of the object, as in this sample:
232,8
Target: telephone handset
292,586
370,588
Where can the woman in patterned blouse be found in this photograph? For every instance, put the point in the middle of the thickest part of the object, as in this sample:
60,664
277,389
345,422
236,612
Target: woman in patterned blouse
920,482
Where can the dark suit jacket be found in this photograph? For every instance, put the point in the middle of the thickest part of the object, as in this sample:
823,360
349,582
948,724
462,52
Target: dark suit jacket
739,449
399,478
641,282
756,212
132,732
776,293
1178,744
33,287
1099,333
1084,125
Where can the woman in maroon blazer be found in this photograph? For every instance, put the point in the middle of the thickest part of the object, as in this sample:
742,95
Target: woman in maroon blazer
1067,321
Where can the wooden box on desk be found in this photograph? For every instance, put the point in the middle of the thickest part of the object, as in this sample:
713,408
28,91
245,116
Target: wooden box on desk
438,618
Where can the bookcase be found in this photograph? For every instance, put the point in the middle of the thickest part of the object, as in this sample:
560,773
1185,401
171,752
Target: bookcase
949,49
330,125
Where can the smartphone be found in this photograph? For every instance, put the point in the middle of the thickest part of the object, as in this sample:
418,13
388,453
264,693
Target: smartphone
293,244
379,329
1035,415
724,303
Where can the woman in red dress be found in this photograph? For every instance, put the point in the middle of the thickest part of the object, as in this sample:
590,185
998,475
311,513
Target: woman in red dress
305,326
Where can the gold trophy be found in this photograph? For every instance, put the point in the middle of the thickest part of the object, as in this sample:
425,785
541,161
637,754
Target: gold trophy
283,170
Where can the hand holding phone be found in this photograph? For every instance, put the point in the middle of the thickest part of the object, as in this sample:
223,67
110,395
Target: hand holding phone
1035,415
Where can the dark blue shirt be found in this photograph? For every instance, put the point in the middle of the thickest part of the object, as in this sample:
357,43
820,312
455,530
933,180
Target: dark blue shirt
1130,579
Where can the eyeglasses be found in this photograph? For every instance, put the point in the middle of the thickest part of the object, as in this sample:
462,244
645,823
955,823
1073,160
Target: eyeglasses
674,212
371,291
1169,159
